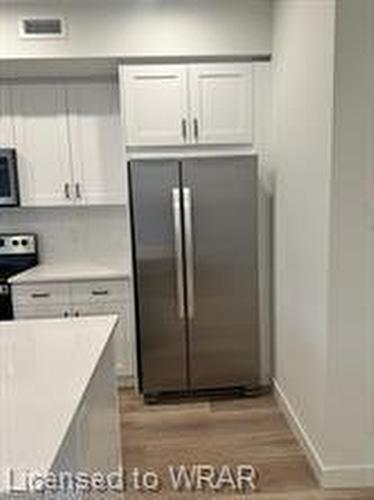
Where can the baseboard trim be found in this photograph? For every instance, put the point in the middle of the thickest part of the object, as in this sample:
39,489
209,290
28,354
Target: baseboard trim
348,476
329,477
125,381
310,450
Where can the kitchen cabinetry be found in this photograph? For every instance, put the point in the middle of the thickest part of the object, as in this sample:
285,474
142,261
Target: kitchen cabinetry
95,138
188,104
156,105
42,141
221,103
67,139
93,440
69,300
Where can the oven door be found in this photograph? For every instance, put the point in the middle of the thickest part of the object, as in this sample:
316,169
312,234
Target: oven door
6,311
9,195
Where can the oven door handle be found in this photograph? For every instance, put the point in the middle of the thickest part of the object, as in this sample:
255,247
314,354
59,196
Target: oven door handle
4,290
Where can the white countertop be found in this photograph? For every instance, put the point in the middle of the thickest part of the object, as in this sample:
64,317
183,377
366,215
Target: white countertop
62,272
45,368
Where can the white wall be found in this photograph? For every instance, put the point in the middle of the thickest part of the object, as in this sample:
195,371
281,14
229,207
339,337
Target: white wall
303,101
262,143
324,155
140,28
350,402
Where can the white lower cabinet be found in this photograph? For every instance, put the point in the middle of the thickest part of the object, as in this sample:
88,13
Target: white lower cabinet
93,298
122,341
93,441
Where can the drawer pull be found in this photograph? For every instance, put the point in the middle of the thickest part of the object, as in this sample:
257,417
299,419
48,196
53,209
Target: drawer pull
40,295
100,292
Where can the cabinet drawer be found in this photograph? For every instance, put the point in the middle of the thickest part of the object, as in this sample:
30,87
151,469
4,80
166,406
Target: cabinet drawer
40,311
43,293
99,292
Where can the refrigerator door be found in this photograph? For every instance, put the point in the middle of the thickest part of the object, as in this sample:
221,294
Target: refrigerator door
158,246
220,215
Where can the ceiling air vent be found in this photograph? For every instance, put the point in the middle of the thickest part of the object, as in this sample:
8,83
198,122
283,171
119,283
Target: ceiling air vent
42,27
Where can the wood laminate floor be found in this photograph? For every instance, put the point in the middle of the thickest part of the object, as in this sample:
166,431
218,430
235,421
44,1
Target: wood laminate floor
226,432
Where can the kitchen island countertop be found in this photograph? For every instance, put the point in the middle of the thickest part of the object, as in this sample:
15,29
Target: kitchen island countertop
45,369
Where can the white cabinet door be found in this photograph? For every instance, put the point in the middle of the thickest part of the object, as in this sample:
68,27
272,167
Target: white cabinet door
123,343
42,300
156,105
42,143
41,311
94,123
6,120
221,103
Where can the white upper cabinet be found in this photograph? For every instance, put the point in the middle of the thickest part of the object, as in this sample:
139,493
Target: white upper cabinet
6,122
156,105
95,136
173,105
68,142
42,142
221,103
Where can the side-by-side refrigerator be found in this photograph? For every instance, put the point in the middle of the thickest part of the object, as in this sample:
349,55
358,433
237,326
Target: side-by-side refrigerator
196,273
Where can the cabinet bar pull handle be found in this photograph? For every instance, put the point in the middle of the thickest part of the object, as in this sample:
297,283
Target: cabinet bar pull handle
100,292
40,295
196,128
67,190
78,193
184,129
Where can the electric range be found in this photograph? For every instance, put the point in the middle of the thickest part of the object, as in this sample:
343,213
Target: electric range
18,252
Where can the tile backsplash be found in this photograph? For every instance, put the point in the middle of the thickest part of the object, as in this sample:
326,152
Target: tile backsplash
94,234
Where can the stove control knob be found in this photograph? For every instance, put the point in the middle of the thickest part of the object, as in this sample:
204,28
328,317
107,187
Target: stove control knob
2,242
15,243
24,242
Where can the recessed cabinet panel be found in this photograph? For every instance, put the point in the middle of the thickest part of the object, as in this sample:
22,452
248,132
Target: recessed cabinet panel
6,122
156,110
221,103
42,143
42,293
124,345
41,311
95,135
99,292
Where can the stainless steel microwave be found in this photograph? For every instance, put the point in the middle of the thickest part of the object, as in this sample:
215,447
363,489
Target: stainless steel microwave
9,192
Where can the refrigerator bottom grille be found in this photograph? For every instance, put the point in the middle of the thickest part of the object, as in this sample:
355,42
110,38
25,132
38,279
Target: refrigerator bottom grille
172,397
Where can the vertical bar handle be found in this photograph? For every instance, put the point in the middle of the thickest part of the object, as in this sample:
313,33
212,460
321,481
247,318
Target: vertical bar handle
67,190
78,193
187,211
184,129
178,245
196,129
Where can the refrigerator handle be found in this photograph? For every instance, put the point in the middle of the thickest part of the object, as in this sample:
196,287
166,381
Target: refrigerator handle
187,211
178,245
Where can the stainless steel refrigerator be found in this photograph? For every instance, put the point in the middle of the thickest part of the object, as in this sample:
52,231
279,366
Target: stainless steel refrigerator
196,273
